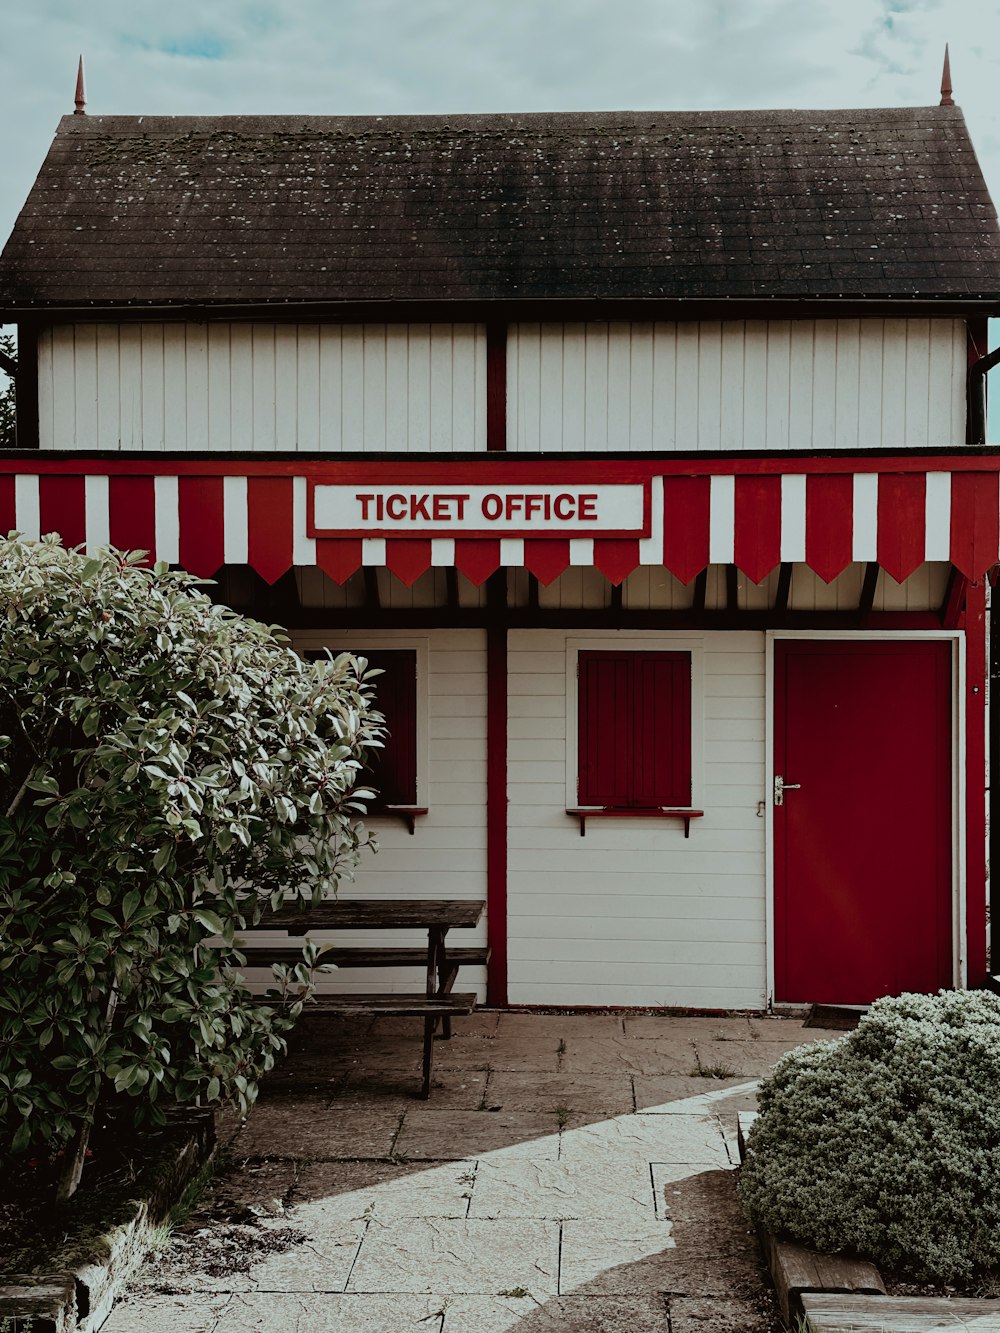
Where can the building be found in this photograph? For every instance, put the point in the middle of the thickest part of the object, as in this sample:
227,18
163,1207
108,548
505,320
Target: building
646,453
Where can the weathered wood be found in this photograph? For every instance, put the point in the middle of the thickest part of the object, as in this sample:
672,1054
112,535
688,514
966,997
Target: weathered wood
392,1006
898,1314
259,954
377,914
797,1270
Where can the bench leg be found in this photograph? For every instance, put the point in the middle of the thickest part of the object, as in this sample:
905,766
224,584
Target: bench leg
429,1024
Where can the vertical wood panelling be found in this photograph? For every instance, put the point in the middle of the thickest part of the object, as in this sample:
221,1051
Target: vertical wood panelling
151,352
446,855
308,391
85,376
263,387
286,387
631,913
220,417
109,403
754,385
63,392
175,388
241,385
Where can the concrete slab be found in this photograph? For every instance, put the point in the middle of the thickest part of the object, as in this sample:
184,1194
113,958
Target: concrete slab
612,1255
540,1055
732,1059
561,1027
471,1257
536,1188
431,1134
580,1095
694,1139
310,1313
559,1314
660,1094
322,1263
312,1128
651,1056
332,1194
398,1089
728,1028
167,1314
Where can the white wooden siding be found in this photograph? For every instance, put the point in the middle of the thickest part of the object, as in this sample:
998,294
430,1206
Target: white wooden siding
738,385
634,913
446,855
262,386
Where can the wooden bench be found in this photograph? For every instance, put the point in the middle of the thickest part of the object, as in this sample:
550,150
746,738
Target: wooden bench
437,1004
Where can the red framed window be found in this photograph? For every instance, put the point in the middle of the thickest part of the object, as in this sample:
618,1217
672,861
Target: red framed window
392,771
634,729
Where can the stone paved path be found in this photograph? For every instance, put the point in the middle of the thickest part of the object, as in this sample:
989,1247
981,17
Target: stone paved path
571,1172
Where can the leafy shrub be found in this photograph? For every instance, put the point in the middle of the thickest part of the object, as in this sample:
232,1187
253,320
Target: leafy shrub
886,1143
167,768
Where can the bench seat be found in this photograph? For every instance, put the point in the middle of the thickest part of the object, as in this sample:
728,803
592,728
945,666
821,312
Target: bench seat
263,955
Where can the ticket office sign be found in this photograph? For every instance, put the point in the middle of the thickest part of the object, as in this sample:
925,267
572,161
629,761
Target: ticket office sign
603,509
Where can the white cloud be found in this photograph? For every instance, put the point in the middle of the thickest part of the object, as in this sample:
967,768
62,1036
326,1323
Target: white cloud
392,56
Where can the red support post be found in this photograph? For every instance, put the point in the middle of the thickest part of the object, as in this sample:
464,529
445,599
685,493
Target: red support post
496,795
975,792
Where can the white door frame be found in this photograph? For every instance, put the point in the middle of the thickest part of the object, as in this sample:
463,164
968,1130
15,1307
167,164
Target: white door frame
958,786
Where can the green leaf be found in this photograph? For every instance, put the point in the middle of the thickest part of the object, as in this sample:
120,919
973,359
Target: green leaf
210,920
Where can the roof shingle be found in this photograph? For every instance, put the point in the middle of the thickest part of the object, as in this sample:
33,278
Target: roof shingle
611,206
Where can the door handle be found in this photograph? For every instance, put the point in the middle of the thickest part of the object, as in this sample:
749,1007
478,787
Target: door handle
781,786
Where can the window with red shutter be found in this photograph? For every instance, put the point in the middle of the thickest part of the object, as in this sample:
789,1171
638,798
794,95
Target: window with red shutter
392,771
634,729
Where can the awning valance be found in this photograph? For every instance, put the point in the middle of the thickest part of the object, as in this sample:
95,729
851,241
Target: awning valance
544,515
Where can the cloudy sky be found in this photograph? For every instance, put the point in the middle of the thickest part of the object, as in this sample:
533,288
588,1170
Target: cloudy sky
386,56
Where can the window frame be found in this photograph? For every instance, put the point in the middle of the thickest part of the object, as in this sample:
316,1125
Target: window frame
639,642
357,641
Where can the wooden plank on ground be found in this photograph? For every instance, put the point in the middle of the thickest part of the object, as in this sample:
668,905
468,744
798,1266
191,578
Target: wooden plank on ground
829,1313
797,1270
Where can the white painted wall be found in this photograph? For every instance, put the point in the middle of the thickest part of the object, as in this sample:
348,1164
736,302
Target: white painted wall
738,385
263,386
633,913
446,855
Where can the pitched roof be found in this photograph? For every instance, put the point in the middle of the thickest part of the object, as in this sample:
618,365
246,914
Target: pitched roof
630,206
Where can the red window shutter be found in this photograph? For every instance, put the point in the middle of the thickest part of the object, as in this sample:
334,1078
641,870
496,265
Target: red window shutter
634,729
605,712
392,771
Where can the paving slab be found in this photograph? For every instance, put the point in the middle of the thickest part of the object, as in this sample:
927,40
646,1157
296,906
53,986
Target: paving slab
531,1187
400,1088
700,1314
330,1195
580,1095
645,1026
428,1133
618,1055
665,1094
314,1128
561,1027
612,1255
558,1314
166,1314
527,1054
694,1139
314,1313
731,1059
470,1257
323,1262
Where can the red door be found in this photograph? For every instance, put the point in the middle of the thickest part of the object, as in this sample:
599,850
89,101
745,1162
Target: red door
862,840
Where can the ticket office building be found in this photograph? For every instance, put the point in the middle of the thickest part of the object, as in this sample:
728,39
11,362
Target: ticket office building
643,453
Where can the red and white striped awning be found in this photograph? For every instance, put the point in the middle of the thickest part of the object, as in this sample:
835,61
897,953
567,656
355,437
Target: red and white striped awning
754,513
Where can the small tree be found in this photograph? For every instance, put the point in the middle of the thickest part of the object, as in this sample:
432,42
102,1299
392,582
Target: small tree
168,769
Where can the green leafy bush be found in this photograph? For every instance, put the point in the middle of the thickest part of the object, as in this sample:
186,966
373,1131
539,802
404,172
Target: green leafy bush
167,768
886,1143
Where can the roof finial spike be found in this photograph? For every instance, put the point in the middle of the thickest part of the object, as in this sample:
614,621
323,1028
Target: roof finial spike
946,88
81,94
